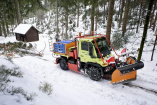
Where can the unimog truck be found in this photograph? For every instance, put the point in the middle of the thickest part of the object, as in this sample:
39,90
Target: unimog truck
92,55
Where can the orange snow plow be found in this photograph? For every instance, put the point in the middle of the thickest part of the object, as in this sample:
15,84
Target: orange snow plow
127,72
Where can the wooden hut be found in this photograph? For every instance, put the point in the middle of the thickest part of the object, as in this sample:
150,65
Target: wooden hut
26,33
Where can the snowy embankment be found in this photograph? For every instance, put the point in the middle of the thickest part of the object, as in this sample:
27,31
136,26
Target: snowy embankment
71,88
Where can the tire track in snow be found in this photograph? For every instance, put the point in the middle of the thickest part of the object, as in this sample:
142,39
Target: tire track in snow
140,87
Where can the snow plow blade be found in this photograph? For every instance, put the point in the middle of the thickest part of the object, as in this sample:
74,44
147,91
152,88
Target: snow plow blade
127,72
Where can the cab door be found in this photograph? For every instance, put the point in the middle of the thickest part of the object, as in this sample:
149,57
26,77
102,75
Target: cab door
84,51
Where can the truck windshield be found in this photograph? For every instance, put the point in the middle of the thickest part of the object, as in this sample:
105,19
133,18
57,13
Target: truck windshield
103,47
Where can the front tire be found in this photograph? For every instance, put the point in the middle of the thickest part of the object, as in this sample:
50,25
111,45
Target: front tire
94,73
63,64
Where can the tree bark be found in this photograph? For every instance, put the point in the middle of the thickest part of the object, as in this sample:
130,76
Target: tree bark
66,24
92,18
78,15
57,20
121,12
145,30
144,7
109,20
152,15
104,12
139,18
7,27
4,29
0,30
154,45
125,17
96,20
119,8
155,22
18,14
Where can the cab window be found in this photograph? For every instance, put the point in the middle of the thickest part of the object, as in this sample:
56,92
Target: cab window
84,45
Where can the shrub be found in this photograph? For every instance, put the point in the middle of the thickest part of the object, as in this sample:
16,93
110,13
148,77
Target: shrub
5,88
19,44
18,90
46,88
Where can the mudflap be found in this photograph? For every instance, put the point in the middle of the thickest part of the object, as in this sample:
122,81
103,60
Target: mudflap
127,72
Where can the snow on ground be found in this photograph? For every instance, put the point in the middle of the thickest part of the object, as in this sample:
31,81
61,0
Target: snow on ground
71,88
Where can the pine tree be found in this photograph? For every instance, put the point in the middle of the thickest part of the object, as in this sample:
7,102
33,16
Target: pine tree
154,45
125,17
138,22
109,20
155,22
121,13
145,30
0,30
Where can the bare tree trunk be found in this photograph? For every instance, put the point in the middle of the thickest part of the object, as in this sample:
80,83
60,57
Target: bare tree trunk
139,18
0,30
92,18
4,29
155,22
154,45
125,17
121,12
96,20
104,12
145,30
119,8
85,19
143,8
66,24
109,20
78,15
62,26
57,20
18,14
6,24
152,15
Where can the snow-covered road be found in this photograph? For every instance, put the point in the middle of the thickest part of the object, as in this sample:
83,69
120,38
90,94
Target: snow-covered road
71,88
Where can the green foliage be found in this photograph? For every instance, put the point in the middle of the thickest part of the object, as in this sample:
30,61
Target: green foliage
19,44
30,46
118,41
5,72
24,46
46,88
5,75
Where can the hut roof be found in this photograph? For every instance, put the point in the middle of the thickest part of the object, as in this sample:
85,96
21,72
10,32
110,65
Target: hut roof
22,28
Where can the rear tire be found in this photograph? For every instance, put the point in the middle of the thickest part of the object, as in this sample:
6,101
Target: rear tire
63,64
94,73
